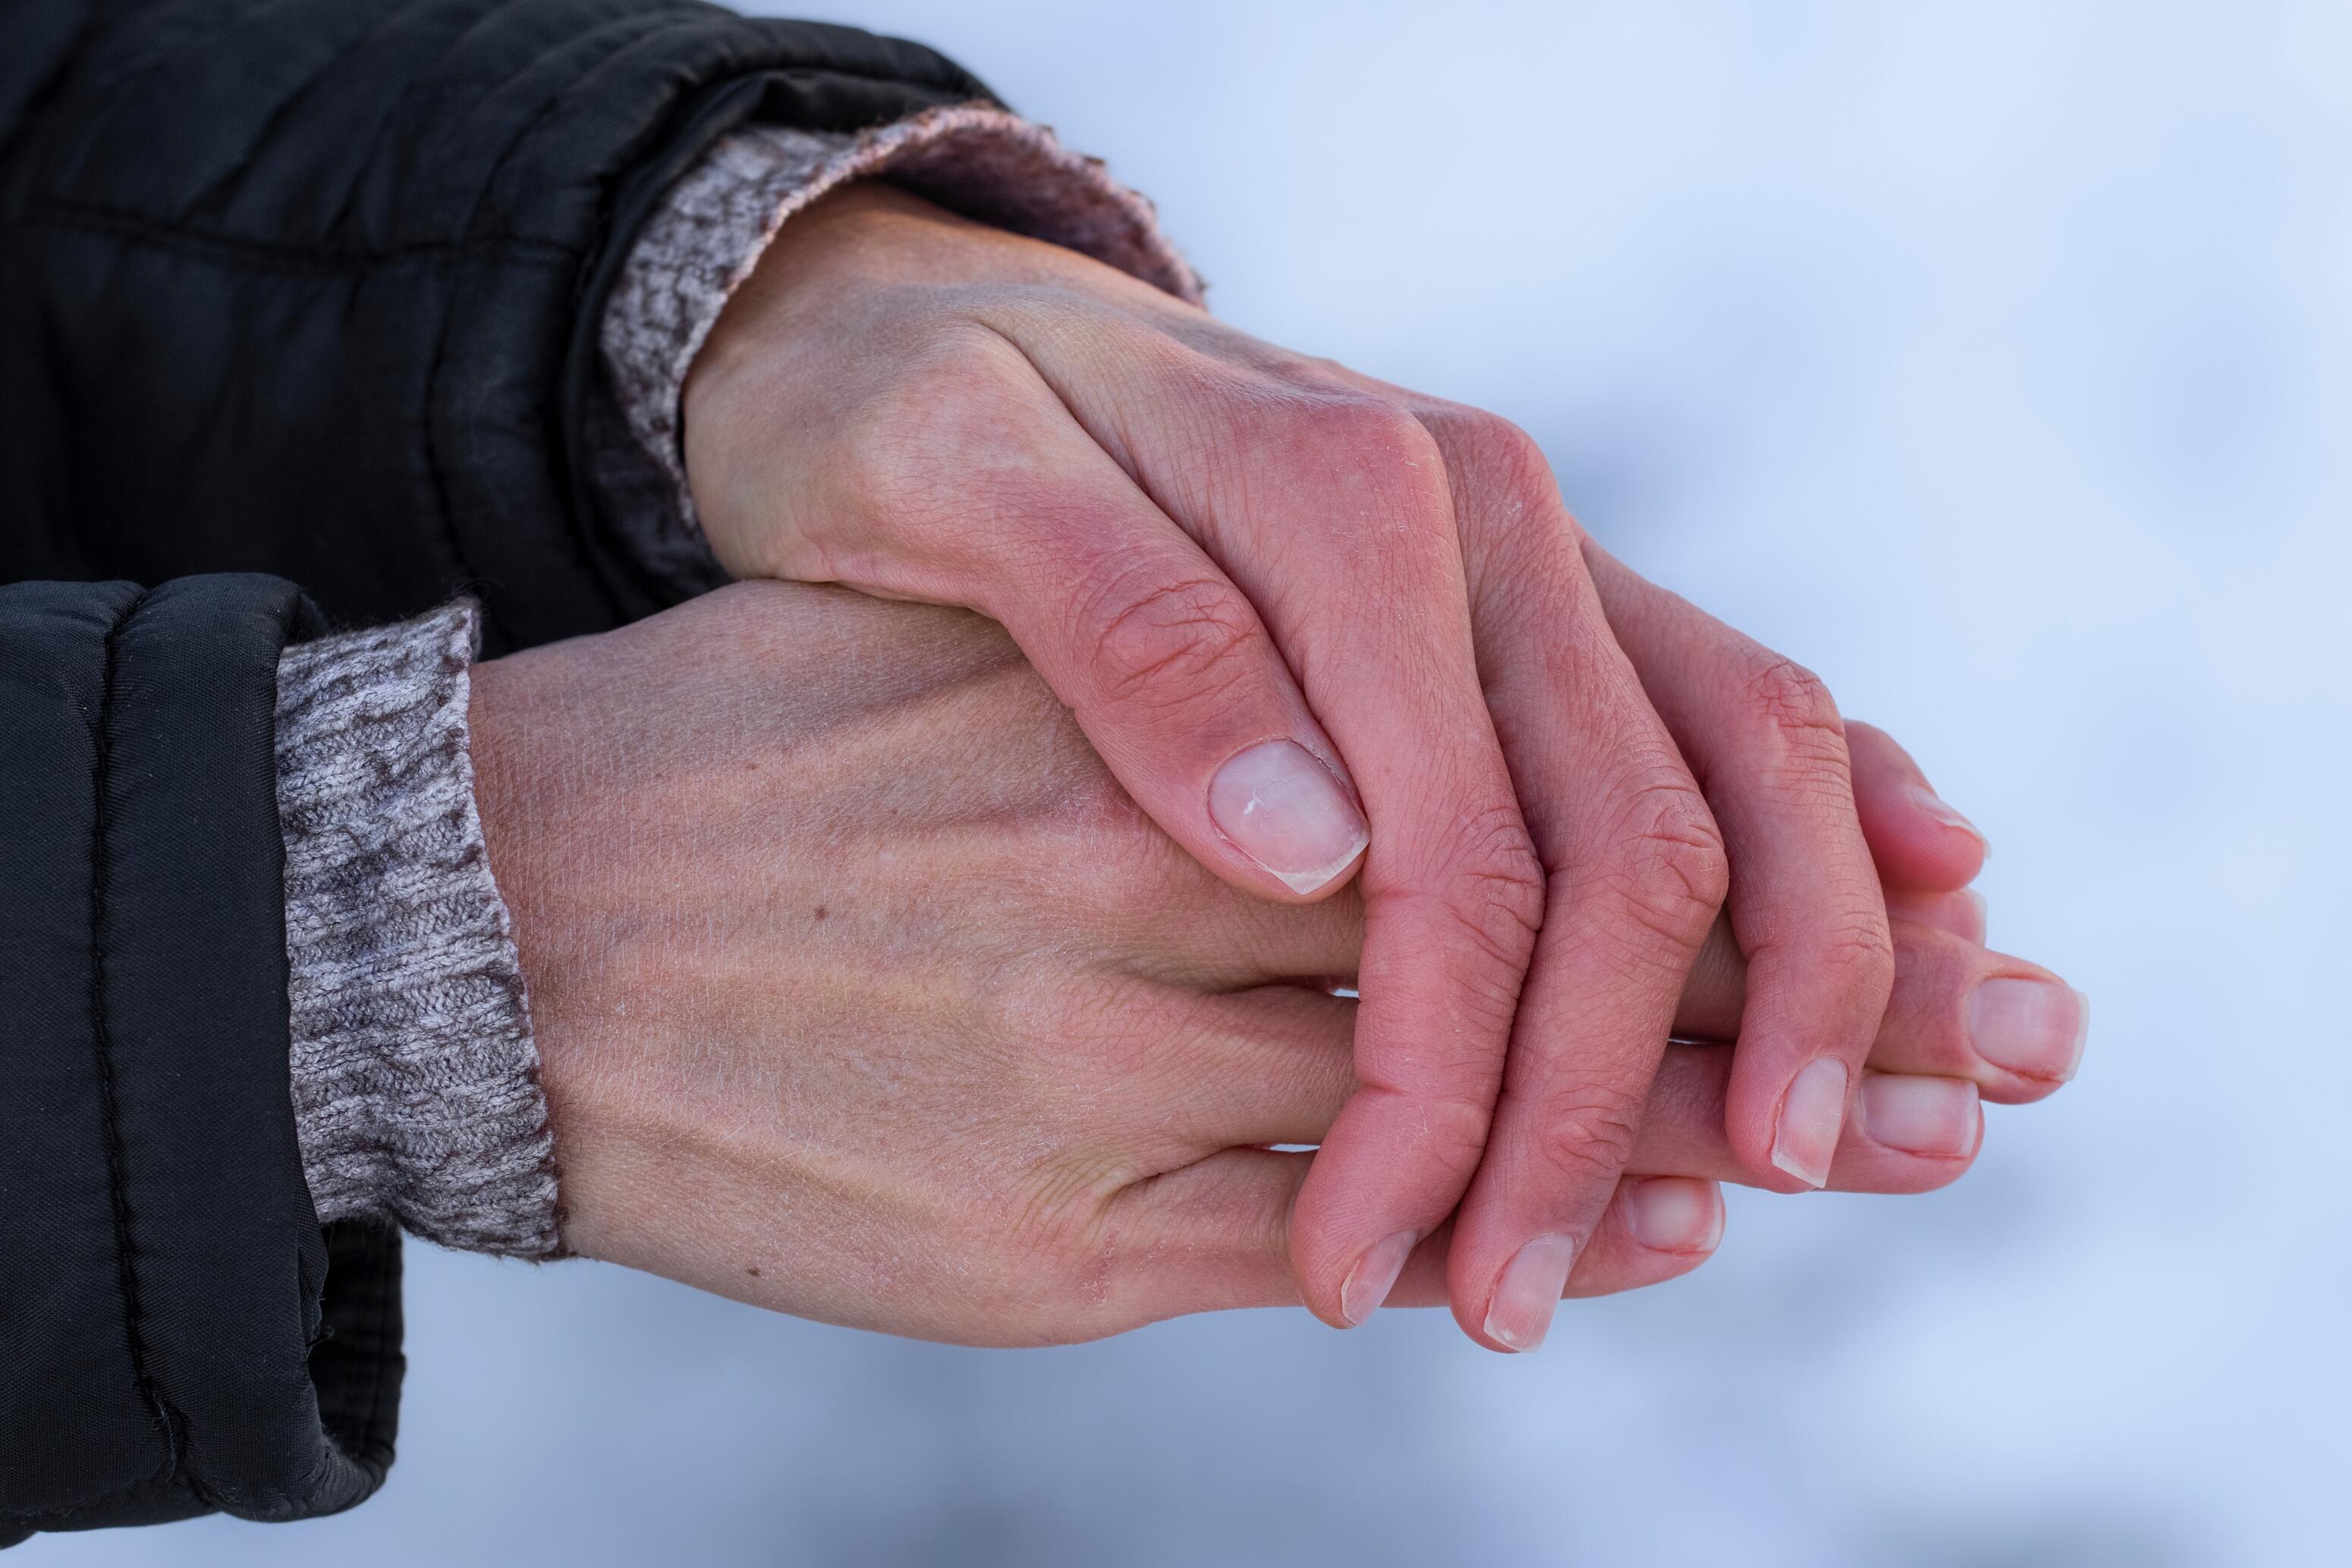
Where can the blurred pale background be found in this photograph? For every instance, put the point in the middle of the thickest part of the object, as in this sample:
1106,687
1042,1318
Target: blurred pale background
1995,360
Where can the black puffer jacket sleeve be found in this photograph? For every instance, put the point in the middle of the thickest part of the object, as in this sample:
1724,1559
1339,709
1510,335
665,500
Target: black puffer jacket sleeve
304,287
309,286
164,1281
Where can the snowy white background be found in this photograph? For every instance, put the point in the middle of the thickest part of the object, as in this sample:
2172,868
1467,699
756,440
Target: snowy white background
1993,358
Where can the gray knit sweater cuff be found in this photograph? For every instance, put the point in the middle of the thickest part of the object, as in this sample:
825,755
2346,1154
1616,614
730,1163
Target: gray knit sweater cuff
416,1092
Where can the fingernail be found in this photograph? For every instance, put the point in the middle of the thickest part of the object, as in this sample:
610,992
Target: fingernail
1811,1118
1519,1313
1374,1276
2034,1027
1675,1214
1976,901
1283,808
1919,1115
1935,805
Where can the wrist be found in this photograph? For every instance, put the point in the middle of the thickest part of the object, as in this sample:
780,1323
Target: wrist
527,794
770,364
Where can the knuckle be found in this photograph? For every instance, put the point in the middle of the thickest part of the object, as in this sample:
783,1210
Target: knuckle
1168,644
1509,485
1586,1132
1672,872
1359,444
1062,1223
1530,561
1496,887
1355,427
1493,449
1795,701
1841,941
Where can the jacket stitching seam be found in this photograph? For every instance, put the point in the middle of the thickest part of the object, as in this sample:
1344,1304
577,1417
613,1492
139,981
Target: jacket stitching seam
116,224
102,1045
444,509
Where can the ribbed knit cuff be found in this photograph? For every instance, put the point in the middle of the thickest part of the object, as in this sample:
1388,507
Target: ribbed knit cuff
416,1093
719,219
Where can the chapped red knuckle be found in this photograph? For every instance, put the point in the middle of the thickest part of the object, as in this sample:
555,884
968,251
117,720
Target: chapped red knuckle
1171,645
1347,437
1365,427
1671,872
1496,452
1586,1133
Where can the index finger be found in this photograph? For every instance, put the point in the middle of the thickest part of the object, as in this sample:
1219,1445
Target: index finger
1768,747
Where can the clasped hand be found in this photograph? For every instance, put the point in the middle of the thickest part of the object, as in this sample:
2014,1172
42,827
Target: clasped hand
891,972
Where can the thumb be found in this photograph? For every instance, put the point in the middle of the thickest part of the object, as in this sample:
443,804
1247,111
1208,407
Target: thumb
1172,675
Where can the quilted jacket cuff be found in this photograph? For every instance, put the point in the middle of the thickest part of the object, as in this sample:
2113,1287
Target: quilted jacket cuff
188,1339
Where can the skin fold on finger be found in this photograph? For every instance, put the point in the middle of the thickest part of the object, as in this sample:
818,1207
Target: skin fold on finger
1920,843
